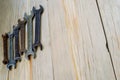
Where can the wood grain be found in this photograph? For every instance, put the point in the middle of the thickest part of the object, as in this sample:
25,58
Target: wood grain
81,53
74,40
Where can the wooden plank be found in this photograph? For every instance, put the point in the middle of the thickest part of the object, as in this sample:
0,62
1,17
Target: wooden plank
110,12
73,39
78,43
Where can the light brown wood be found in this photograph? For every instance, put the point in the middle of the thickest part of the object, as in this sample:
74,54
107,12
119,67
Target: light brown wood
73,39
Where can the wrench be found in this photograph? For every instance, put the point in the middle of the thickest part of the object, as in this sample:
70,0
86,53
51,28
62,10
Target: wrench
5,46
21,24
29,19
11,62
16,35
38,13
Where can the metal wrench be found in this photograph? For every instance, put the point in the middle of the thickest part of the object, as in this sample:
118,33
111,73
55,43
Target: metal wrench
5,48
21,24
29,19
16,35
11,62
38,14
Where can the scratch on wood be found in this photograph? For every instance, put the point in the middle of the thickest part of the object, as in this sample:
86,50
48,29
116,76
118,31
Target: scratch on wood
107,46
30,67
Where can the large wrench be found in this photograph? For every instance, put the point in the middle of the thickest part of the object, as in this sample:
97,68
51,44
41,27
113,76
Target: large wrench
38,13
11,62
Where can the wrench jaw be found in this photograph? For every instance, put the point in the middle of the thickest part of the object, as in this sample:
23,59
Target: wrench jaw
5,61
41,9
17,57
11,64
22,51
30,53
35,45
37,11
25,16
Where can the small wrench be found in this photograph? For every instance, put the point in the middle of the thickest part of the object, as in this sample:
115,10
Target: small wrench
38,13
11,62
29,19
16,35
21,24
5,48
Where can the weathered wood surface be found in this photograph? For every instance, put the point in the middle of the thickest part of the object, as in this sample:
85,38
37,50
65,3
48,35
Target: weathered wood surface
80,39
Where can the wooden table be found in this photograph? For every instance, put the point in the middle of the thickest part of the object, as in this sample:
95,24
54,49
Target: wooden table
81,40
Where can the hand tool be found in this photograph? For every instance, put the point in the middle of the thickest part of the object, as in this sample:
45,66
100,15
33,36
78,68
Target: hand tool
16,35
38,14
5,48
29,19
11,62
21,24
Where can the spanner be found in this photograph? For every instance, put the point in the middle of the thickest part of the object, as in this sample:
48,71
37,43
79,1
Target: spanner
29,19
5,48
11,62
37,13
21,24
16,35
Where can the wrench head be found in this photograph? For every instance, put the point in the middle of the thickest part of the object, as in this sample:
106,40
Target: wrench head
25,16
33,9
41,9
35,45
18,59
38,11
10,34
5,36
22,51
28,17
20,22
11,64
5,61
30,53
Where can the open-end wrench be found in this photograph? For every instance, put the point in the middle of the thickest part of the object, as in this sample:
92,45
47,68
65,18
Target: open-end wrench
5,48
16,35
21,24
11,62
38,13
29,19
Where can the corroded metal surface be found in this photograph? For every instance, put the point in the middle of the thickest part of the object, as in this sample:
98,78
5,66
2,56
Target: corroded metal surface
5,48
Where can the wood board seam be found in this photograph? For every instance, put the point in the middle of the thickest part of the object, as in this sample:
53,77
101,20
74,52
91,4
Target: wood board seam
107,45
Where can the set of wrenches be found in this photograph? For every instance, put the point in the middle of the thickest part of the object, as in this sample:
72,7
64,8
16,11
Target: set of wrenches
13,48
